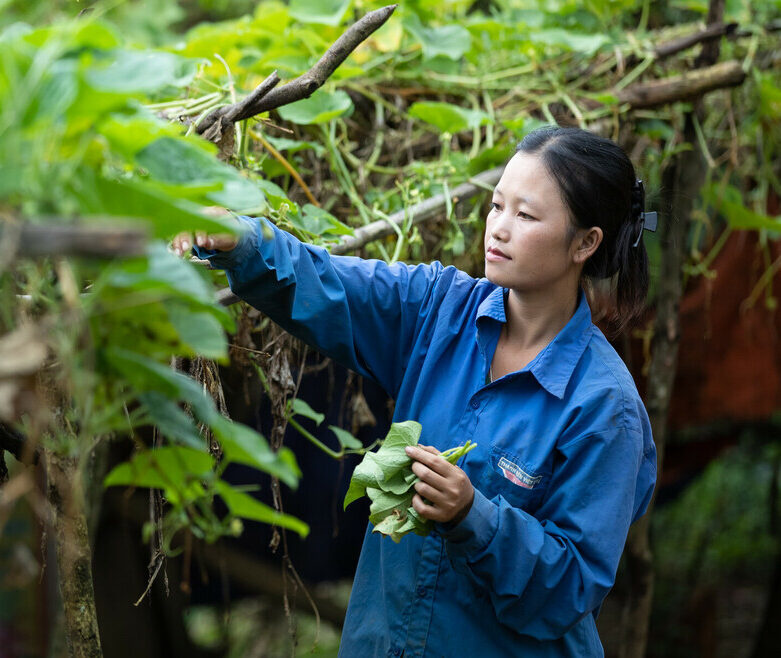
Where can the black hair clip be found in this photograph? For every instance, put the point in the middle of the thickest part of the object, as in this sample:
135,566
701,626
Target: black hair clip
648,220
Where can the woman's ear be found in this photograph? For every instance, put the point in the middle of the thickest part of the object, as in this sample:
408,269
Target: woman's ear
586,243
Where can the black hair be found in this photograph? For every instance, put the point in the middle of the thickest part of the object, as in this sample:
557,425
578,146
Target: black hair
599,188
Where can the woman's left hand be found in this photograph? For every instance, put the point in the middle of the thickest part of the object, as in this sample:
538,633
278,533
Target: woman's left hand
446,488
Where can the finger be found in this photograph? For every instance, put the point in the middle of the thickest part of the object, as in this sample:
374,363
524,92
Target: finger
432,495
425,510
215,211
181,243
430,449
427,475
200,238
434,462
221,241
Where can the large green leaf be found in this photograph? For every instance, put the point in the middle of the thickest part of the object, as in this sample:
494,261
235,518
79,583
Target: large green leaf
146,375
346,440
171,420
300,407
326,12
728,200
318,221
196,168
163,277
244,445
160,269
137,199
177,470
243,505
320,107
450,41
447,117
200,330
142,71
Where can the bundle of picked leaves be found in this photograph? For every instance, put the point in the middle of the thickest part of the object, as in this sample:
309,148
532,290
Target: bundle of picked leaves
386,477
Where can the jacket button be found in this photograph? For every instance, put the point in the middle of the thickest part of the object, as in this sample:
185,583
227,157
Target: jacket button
421,591
396,651
475,404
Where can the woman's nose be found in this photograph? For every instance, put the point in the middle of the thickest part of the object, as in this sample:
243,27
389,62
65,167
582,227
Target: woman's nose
499,229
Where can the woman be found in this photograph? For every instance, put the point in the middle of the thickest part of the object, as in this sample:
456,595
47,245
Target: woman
531,525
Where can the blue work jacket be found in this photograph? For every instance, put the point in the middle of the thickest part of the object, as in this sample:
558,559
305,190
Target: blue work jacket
565,459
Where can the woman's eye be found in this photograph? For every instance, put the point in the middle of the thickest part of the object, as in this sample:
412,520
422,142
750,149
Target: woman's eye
525,215
494,206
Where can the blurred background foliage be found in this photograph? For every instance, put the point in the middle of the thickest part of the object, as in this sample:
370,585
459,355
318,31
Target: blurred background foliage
99,102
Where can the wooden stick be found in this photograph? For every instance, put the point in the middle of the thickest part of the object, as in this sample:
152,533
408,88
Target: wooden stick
686,86
306,84
710,33
419,213
39,240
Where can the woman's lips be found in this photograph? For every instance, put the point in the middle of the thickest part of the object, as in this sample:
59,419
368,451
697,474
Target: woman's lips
495,256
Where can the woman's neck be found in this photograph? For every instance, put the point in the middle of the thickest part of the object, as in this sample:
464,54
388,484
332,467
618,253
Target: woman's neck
534,319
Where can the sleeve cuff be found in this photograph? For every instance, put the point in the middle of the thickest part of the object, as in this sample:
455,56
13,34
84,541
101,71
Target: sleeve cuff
226,260
475,531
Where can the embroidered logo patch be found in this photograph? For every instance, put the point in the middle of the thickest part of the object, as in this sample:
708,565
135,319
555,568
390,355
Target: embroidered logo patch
517,475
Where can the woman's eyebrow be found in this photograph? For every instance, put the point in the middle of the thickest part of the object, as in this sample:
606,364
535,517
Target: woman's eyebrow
520,199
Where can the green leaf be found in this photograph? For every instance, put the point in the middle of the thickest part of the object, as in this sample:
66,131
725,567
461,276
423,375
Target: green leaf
175,469
320,222
587,44
355,491
325,12
398,484
383,465
320,107
194,167
84,34
164,214
522,126
386,477
346,440
199,330
447,117
489,158
391,526
163,273
243,505
300,408
243,445
294,145
450,41
170,420
728,200
142,71
146,375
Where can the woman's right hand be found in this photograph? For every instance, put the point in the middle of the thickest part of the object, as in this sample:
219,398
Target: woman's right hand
182,243
217,241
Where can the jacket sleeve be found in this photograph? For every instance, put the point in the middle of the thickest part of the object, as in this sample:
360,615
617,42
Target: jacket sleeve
544,573
362,313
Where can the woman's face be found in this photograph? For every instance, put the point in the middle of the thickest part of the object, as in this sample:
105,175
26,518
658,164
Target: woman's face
529,244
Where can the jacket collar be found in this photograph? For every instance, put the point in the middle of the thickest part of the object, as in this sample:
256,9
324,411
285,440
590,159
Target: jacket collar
554,365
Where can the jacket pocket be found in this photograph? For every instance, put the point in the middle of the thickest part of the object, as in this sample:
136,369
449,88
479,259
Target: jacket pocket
521,484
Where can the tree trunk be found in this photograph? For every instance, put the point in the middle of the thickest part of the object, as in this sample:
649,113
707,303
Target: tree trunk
74,563
681,183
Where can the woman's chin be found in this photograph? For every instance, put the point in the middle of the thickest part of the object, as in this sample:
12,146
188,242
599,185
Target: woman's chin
498,278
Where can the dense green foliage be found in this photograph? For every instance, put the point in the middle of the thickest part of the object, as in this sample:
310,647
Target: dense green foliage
97,121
